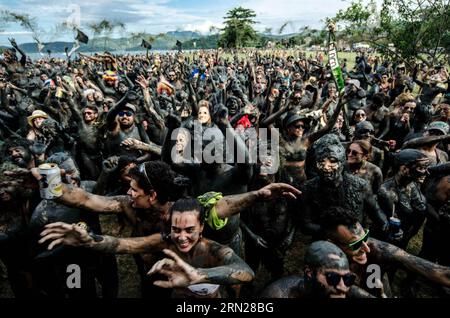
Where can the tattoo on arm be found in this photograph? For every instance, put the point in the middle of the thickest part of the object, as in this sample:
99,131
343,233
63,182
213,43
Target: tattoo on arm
234,204
135,245
233,269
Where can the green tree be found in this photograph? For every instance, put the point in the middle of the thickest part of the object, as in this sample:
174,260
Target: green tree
238,31
419,29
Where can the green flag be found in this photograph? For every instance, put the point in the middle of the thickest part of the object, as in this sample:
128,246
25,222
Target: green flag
334,62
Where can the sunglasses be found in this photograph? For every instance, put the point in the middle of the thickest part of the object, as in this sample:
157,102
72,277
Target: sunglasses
358,244
144,172
127,113
299,126
353,152
333,279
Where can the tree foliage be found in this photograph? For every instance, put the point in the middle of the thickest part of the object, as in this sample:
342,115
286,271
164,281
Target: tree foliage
105,28
419,29
238,31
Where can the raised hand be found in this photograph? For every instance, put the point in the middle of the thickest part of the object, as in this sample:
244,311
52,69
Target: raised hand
110,164
144,83
276,190
13,42
178,272
173,121
66,234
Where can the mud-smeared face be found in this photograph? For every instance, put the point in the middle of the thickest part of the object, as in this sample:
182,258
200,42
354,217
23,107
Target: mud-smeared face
126,118
296,129
89,115
419,170
335,283
19,156
139,198
353,242
355,154
329,168
49,128
122,88
186,230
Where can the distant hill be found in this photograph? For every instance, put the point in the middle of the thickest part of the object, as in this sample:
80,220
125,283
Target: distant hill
165,42
184,34
189,39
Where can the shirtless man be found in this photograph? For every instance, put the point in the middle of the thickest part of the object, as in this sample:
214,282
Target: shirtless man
326,275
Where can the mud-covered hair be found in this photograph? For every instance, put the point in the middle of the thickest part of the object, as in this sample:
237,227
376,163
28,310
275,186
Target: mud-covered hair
159,177
188,204
324,254
13,142
335,216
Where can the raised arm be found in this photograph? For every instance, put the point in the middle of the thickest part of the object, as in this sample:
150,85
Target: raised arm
316,135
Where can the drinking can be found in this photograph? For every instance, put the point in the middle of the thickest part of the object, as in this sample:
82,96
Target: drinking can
50,184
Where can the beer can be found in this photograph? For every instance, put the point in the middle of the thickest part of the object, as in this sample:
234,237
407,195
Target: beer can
50,183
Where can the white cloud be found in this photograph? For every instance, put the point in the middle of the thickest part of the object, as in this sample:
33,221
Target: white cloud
203,28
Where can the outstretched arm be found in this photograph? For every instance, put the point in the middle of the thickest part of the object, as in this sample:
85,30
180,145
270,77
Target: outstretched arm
234,204
74,235
80,198
389,253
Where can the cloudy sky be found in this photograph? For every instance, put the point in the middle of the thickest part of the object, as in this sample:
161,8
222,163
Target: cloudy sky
156,16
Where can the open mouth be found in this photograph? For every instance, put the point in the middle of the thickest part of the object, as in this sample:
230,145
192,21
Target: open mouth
183,245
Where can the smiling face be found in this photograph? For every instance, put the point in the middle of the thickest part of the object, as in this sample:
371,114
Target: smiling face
296,129
345,236
355,154
360,115
203,115
186,230
419,170
89,115
181,142
126,118
37,122
19,156
332,282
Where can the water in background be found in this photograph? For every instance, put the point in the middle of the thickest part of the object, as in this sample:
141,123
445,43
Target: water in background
61,55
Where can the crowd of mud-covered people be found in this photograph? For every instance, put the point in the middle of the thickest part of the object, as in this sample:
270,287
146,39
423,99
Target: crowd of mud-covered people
355,175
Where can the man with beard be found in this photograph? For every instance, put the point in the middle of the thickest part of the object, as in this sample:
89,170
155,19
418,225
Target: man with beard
17,151
334,187
400,197
341,227
121,125
326,275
